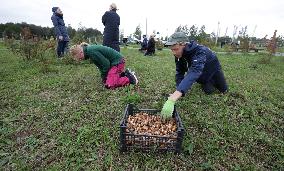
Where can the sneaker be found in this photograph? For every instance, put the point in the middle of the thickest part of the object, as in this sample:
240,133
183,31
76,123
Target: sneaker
127,72
132,78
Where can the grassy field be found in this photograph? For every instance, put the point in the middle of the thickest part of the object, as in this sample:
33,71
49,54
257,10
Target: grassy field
62,118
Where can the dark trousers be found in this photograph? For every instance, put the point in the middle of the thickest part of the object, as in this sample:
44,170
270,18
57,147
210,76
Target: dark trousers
61,46
150,53
217,81
114,45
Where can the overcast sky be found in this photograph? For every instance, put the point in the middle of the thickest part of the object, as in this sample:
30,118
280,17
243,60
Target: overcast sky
260,16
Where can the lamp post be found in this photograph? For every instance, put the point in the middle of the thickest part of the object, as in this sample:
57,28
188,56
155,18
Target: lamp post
146,27
217,35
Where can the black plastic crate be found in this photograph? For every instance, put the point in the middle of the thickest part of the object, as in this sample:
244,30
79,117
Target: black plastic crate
141,142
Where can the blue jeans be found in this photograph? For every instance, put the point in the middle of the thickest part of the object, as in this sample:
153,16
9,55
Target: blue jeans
217,81
61,48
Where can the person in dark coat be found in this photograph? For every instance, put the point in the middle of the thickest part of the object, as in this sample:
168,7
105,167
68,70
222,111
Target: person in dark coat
150,46
200,64
144,43
111,21
60,31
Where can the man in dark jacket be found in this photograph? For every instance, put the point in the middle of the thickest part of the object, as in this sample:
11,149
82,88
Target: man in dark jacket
200,63
111,21
60,31
151,46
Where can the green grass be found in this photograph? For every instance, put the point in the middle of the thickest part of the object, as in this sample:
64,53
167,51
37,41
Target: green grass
64,119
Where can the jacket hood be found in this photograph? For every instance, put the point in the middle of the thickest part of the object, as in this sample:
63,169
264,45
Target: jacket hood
54,9
191,46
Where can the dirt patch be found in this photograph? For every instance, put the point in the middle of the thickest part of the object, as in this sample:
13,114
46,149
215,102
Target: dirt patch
21,136
46,95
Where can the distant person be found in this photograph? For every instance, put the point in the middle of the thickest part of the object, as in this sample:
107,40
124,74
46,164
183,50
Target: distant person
124,41
111,21
150,46
60,31
223,43
110,63
144,43
200,64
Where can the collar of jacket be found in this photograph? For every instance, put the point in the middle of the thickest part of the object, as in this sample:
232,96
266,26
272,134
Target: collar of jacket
190,48
85,52
59,15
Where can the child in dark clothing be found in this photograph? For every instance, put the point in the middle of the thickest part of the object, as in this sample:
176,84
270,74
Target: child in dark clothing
144,43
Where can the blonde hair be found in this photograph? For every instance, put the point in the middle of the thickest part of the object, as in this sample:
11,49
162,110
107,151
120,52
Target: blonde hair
74,51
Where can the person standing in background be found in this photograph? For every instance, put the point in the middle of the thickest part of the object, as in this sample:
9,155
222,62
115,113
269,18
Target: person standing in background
144,43
111,21
60,31
151,46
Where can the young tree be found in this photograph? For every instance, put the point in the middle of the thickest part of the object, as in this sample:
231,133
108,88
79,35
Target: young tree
201,36
280,40
71,31
183,29
138,32
271,47
193,30
244,39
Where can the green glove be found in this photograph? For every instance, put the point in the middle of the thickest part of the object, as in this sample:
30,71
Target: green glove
168,109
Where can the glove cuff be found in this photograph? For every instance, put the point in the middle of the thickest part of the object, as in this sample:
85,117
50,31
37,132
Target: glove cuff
171,101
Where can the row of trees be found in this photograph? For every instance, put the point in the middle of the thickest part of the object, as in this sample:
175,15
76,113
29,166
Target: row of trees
193,32
198,33
13,30
33,42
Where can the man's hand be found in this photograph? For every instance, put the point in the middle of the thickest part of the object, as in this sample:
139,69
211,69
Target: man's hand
60,38
168,109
